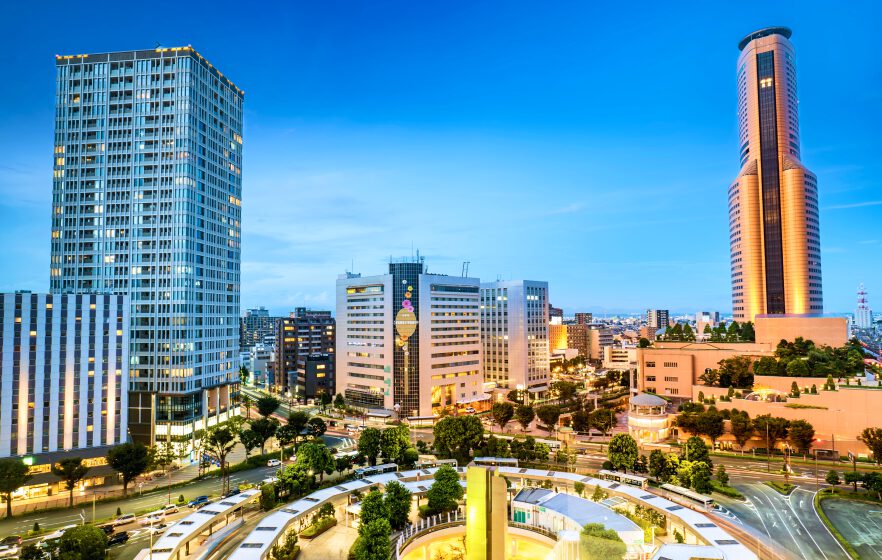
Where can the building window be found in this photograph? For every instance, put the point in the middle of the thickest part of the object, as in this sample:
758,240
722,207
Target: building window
650,364
670,364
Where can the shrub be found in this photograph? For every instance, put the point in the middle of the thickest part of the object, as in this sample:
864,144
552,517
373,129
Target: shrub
318,527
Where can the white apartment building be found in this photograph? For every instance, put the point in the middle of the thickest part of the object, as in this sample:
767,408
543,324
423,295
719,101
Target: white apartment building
409,340
514,334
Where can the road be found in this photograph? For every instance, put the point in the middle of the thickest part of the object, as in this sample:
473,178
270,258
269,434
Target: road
788,524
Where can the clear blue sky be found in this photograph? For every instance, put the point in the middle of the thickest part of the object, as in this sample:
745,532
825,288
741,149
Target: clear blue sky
583,143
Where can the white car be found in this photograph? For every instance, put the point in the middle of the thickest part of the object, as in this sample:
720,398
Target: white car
154,518
158,529
270,480
470,409
274,463
169,509
124,519
52,538
8,550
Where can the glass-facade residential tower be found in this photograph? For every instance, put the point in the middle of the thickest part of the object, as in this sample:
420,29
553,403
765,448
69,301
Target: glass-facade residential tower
147,203
773,204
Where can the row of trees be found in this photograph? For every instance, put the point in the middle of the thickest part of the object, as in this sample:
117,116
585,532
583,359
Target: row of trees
710,423
393,444
871,481
802,358
735,372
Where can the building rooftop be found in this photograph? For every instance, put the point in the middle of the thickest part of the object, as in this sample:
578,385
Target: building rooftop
645,399
687,552
765,32
578,509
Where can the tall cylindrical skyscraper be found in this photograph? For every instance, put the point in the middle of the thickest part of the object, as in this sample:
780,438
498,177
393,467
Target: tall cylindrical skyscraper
773,204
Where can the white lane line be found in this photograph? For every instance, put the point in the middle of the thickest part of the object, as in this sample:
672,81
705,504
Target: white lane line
825,526
783,522
798,520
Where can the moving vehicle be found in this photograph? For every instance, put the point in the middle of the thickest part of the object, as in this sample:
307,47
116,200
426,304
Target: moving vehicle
169,509
274,463
198,502
470,410
232,492
123,519
11,539
689,495
157,529
51,540
118,538
8,550
153,518
107,528
379,469
623,478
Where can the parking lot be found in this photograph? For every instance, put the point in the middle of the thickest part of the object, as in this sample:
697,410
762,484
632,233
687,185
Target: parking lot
860,523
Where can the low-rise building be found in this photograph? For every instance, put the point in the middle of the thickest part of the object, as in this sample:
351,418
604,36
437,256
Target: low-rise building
619,358
648,418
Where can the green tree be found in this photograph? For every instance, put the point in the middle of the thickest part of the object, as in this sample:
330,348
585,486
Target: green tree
515,396
285,435
298,420
833,480
852,477
524,415
265,428
398,503
129,460
872,438
267,497
394,441
565,390
579,488
602,419
409,458
370,444
31,552
445,491
457,436
722,475
737,372
772,428
220,441
599,494
747,332
798,368
373,507
316,427
249,440
688,333
548,414
373,541
267,405
13,475
244,375
70,471
622,451
502,413
710,423
316,457
596,541
696,450
339,401
643,343
741,427
701,478
86,542
801,435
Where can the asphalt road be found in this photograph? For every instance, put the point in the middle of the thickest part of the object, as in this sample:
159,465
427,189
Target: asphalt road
134,504
788,524
860,524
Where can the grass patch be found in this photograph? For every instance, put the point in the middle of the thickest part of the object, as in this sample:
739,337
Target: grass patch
859,496
797,405
726,490
820,496
318,527
780,487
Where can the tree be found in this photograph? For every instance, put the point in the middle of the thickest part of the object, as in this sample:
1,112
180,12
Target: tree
710,423
325,399
596,541
747,332
394,441
316,427
286,435
773,428
622,451
31,552
872,438
833,479
722,475
398,504
298,420
696,450
249,440
316,457
457,436
515,396
13,475
602,419
409,458
801,435
502,413
736,372
873,483
798,368
130,460
599,494
267,405
220,442
373,507
548,415
86,542
643,343
370,443
852,477
565,390
70,471
373,541
767,365
701,478
265,428
445,491
741,427
524,415
339,401
579,488
688,333
244,375
710,377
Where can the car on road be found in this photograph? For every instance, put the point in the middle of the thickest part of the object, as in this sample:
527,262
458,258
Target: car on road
198,502
158,529
153,518
51,540
470,410
107,528
274,463
11,539
270,480
8,550
232,492
118,538
169,509
123,519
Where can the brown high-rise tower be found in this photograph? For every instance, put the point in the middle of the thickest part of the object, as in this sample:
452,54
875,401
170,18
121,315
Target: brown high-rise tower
773,204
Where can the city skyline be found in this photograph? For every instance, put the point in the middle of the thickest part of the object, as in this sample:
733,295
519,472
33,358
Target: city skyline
526,166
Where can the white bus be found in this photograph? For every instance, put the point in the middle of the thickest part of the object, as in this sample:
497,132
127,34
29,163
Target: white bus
428,463
689,495
495,461
379,469
552,444
623,478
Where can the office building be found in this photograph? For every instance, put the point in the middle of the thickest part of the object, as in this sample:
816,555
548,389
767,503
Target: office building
64,382
514,333
409,340
305,340
657,319
255,326
599,337
146,203
863,315
773,203
584,318
555,314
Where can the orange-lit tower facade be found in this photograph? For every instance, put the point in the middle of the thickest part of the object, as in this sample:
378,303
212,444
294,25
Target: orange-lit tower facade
773,204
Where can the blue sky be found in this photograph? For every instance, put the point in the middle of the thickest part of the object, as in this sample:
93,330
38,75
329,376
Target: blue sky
586,144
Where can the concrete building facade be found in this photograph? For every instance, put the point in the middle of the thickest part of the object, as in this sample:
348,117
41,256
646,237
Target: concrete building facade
299,337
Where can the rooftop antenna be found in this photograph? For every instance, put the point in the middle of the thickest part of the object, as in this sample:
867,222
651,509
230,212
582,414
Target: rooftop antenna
465,268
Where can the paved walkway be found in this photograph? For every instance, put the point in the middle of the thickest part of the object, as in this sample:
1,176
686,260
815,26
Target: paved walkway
333,544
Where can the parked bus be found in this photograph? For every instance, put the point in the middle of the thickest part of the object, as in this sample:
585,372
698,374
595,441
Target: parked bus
623,478
428,463
379,469
552,444
689,495
495,461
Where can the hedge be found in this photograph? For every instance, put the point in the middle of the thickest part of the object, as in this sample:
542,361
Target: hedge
318,527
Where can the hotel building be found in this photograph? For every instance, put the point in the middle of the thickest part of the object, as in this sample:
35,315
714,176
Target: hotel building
409,340
305,343
64,382
147,203
773,203
514,333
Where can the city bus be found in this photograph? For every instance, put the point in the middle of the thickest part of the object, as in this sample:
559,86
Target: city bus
689,495
429,462
495,461
379,469
553,444
622,478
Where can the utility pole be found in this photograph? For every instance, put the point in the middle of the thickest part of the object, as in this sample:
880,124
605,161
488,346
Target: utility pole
768,451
